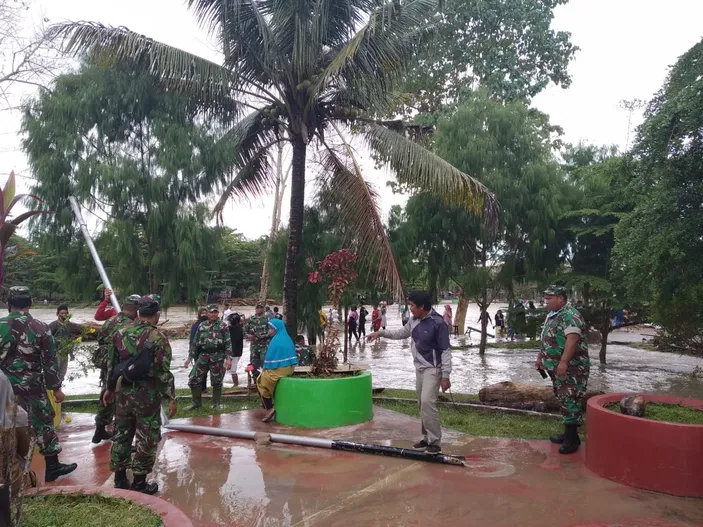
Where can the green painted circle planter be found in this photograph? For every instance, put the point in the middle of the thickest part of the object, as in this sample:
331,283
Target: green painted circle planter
324,403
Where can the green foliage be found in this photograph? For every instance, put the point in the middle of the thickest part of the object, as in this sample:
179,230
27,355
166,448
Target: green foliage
659,246
506,47
238,264
131,153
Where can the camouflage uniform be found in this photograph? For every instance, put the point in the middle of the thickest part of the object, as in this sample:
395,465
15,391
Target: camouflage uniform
305,355
138,404
571,390
212,345
28,358
259,327
106,334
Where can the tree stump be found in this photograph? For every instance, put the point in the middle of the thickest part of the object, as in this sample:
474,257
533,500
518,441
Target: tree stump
633,405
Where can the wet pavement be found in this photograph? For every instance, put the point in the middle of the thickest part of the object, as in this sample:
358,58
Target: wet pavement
220,481
628,369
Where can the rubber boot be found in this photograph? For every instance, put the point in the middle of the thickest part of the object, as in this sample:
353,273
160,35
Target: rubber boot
197,393
571,441
216,396
101,434
558,439
55,470
203,386
121,481
235,380
140,485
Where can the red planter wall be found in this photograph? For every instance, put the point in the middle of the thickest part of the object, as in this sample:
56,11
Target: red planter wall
652,455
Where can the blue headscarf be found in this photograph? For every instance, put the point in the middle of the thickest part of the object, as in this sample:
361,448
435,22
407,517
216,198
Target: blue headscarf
281,350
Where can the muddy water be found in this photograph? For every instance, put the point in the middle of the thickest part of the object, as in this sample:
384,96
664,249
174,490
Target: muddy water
628,369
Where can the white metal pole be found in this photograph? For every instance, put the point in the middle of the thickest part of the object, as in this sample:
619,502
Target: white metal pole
93,251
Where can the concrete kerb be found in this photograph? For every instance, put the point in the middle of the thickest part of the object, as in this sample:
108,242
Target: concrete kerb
171,516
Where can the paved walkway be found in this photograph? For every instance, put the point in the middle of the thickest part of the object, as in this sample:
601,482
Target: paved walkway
221,481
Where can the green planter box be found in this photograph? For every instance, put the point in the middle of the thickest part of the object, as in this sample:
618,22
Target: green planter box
324,403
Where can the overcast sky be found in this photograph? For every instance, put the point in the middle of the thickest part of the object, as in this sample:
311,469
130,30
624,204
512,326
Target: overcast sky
626,47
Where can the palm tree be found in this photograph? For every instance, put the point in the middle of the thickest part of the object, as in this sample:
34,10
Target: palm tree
305,72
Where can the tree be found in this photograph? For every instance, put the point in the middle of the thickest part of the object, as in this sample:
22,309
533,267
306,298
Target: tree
306,72
504,47
603,199
133,155
511,151
658,246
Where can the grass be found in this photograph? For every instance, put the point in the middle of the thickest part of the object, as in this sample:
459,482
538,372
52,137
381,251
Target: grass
76,510
482,423
461,419
671,413
227,405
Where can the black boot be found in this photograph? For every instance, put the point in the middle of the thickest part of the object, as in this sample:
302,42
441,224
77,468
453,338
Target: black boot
140,485
558,438
55,470
216,396
101,434
197,392
121,481
571,440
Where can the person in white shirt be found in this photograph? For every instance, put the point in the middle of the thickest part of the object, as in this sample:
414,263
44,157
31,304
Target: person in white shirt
227,313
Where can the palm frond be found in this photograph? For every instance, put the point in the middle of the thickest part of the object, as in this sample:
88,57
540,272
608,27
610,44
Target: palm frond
204,82
253,179
359,213
417,167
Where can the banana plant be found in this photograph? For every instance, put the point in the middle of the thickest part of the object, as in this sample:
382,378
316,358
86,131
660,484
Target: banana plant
8,199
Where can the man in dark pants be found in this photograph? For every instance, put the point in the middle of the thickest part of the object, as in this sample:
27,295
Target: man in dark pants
429,346
564,355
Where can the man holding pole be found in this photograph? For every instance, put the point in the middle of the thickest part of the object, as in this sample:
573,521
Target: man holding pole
106,335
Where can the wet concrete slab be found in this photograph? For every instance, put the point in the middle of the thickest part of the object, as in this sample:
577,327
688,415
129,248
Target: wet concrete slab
221,481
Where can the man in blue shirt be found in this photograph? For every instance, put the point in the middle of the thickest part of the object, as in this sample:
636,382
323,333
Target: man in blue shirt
433,363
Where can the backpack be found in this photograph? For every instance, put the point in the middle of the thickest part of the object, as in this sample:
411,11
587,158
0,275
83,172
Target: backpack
136,367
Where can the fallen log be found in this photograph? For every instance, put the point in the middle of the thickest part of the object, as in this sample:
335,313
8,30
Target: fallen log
523,396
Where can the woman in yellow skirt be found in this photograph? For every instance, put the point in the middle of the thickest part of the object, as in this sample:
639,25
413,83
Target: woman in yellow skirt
279,362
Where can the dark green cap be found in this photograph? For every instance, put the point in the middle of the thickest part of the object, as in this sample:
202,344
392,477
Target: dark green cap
132,300
556,290
260,304
212,308
19,292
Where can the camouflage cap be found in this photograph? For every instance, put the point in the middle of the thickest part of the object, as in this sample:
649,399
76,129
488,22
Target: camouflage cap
556,290
212,308
150,302
260,304
19,292
132,300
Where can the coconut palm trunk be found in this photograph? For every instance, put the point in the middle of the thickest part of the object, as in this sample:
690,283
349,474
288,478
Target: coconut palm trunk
295,236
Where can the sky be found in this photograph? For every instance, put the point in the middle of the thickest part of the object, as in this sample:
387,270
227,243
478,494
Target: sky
626,48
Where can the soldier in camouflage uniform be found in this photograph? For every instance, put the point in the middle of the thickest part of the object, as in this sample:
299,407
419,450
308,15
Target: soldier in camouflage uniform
28,358
213,348
107,332
564,355
305,353
257,331
138,402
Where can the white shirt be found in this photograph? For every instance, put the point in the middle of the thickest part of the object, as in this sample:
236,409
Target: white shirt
226,314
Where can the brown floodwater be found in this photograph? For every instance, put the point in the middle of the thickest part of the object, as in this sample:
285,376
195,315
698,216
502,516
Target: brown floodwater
628,369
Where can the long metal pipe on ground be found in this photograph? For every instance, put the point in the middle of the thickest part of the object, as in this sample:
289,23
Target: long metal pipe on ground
331,444
93,251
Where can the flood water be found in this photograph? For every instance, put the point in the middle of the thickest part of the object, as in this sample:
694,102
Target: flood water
628,369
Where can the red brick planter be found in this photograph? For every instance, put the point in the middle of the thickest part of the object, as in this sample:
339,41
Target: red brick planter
171,516
653,455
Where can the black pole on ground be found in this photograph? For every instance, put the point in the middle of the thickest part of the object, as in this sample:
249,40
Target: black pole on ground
406,453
